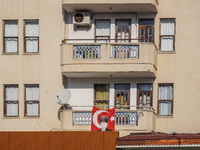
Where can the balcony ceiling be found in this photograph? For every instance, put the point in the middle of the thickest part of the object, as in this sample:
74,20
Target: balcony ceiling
134,6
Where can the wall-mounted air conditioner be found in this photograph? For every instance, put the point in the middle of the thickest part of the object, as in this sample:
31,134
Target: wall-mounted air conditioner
82,19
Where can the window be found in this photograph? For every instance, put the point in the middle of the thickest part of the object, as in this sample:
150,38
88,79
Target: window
11,100
167,35
122,96
32,100
123,30
11,36
146,30
144,96
31,39
165,99
102,30
101,96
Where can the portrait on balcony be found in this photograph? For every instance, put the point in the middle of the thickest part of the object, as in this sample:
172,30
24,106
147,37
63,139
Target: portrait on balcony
103,120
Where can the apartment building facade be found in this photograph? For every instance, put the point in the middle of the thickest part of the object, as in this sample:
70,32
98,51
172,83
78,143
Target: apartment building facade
140,56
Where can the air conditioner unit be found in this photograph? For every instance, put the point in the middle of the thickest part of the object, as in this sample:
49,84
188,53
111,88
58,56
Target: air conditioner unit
82,19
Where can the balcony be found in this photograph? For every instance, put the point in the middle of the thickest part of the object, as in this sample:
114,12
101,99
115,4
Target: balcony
126,121
109,60
110,5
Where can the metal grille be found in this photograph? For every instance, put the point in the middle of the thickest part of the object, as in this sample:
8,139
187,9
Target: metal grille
124,51
87,52
126,118
82,118
121,118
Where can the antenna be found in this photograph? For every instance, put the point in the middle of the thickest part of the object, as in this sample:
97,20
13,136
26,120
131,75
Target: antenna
63,96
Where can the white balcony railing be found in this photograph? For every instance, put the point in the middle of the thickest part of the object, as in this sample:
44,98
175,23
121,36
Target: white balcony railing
87,52
121,118
124,51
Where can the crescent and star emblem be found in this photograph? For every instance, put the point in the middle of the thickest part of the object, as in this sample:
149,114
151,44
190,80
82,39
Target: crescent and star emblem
95,118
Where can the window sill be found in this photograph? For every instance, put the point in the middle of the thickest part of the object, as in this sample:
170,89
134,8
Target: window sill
10,53
10,117
28,117
31,53
165,116
160,52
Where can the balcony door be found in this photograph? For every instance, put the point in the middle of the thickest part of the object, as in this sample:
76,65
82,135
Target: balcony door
144,96
146,30
123,30
122,96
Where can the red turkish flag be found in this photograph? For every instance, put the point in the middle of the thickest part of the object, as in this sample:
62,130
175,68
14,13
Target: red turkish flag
103,120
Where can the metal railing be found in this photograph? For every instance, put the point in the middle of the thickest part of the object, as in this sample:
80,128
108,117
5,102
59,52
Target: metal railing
107,40
124,51
87,52
121,118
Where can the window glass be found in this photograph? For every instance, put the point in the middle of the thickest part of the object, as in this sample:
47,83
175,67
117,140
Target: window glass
165,99
167,34
31,36
11,36
32,100
101,96
11,100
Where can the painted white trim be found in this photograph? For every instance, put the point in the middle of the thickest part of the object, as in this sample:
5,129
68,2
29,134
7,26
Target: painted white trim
136,146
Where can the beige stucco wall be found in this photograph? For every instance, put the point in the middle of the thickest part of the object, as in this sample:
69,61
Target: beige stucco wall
182,67
42,68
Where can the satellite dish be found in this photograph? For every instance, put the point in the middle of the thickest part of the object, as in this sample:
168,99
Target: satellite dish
63,96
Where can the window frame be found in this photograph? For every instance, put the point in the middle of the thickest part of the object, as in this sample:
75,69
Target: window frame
24,26
4,37
116,91
148,26
117,27
25,106
5,101
174,36
102,100
95,36
150,91
172,104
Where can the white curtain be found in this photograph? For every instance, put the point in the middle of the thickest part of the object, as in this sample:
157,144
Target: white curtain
165,93
165,107
32,29
12,109
167,43
12,95
102,28
167,28
11,30
32,45
32,108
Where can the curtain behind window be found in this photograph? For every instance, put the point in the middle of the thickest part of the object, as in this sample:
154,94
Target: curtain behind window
32,34
11,31
165,95
12,95
32,101
167,34
102,28
102,92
